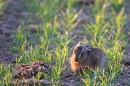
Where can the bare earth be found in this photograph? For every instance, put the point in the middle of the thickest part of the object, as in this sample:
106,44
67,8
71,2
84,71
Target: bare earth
12,17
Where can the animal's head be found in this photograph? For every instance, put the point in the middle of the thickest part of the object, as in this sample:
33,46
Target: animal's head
81,52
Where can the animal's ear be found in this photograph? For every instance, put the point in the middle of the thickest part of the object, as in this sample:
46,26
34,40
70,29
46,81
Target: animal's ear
89,48
78,44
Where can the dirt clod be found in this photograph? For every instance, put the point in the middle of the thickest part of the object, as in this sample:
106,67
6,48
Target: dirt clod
27,71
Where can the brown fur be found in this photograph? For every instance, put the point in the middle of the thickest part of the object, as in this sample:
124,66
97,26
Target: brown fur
82,58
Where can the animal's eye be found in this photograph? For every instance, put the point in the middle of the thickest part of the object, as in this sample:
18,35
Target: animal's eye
82,54
79,48
89,47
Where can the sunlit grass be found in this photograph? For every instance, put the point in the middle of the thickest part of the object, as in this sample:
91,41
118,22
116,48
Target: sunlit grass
5,70
5,74
107,34
2,6
51,46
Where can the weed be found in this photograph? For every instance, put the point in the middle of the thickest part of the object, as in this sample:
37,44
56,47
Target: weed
50,44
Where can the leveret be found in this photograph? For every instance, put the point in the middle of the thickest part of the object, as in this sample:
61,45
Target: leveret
84,57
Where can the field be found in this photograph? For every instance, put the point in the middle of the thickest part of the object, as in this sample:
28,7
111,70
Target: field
48,30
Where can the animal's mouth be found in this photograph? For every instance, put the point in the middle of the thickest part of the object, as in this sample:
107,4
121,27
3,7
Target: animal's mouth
76,59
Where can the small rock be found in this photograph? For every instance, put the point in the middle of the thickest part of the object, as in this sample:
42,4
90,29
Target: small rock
51,46
31,28
1,77
108,5
7,26
82,17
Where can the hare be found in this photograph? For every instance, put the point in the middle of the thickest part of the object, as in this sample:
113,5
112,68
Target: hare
87,56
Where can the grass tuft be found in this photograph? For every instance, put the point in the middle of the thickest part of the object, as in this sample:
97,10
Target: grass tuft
50,42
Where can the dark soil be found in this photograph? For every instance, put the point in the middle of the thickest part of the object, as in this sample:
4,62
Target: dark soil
14,15
9,22
124,78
